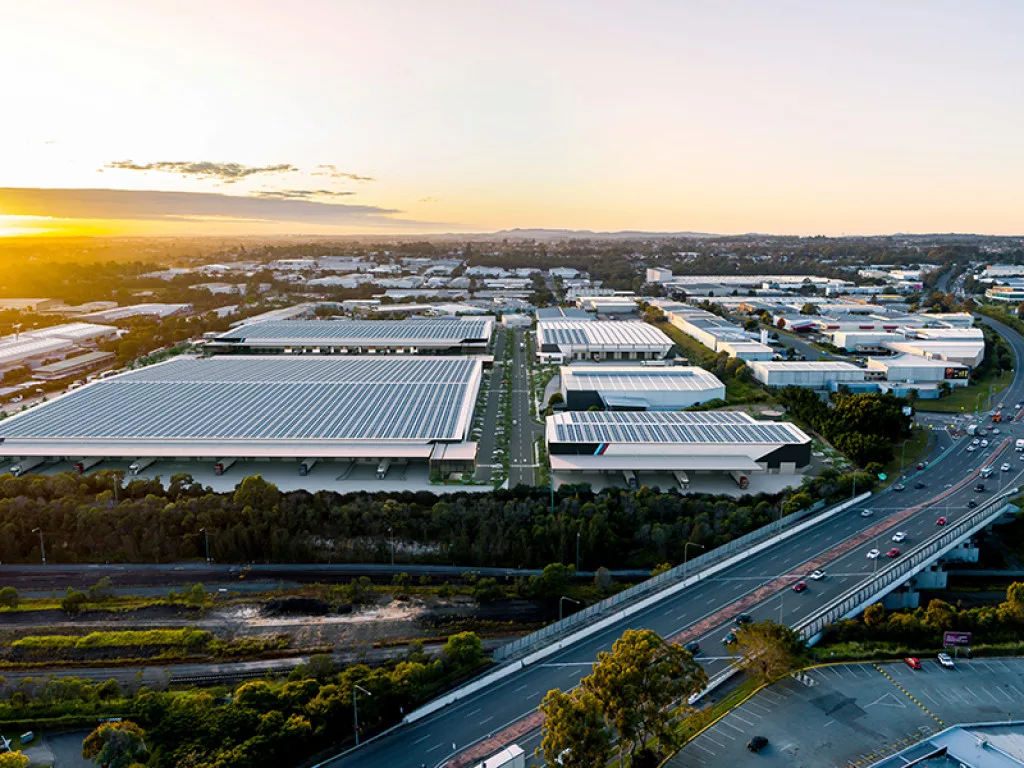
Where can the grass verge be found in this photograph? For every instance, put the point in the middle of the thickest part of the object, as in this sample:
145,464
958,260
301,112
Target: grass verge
966,399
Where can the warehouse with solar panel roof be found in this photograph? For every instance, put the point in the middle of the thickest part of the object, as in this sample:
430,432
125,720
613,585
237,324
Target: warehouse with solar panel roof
287,400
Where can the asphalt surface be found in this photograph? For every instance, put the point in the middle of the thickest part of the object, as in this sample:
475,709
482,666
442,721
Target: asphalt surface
705,610
856,714
522,461
487,443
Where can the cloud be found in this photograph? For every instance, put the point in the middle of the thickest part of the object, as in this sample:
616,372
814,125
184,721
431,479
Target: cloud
428,200
334,173
299,194
204,169
156,205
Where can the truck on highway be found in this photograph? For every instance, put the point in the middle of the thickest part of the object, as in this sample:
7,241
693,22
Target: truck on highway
997,417
382,468
630,477
972,429
511,756
86,464
139,464
26,465
741,479
986,472
223,466
682,479
306,466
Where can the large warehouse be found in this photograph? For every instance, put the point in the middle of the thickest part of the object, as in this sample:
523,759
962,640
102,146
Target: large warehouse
561,341
358,337
637,387
677,444
816,374
229,409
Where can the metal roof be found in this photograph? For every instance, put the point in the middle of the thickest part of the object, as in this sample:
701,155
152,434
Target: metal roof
598,333
342,332
264,399
709,427
637,378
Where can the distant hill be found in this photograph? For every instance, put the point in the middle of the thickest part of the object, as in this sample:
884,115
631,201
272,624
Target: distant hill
564,234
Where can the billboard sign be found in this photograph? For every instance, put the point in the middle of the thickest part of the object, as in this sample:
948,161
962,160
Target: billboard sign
956,639
957,373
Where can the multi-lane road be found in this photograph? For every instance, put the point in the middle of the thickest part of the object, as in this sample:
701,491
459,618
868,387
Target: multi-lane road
760,585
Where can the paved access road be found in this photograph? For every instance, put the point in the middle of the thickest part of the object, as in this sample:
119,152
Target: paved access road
522,461
759,586
856,714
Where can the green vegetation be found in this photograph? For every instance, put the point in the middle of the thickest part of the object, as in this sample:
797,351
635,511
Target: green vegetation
629,699
767,651
993,375
188,638
912,450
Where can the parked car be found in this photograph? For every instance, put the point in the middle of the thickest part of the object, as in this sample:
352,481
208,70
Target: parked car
922,464
975,441
894,552
973,448
899,537
913,662
941,521
984,443
757,743
816,574
873,553
946,661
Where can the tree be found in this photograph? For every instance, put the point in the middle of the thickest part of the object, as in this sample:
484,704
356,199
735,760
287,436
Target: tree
874,615
768,650
14,760
116,745
574,734
1015,593
638,681
8,597
73,601
464,650
809,309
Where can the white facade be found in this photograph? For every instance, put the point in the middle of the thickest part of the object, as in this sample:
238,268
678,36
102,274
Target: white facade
658,275
562,341
747,350
919,370
815,375
638,387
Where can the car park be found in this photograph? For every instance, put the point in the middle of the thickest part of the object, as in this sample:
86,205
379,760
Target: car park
816,574
946,661
941,521
913,662
800,586
894,552
899,536
757,743
873,553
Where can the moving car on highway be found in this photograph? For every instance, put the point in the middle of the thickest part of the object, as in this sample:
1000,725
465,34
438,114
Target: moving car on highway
800,586
899,536
894,552
873,553
816,574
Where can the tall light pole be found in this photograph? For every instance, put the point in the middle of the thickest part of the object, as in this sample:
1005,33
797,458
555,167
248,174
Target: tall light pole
391,535
355,708
577,552
563,597
686,551
206,533
42,544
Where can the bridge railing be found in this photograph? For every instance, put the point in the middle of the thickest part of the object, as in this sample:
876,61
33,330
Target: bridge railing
915,561
652,585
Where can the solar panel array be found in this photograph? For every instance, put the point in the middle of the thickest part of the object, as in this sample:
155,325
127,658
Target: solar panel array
342,332
244,398
599,333
670,427
681,379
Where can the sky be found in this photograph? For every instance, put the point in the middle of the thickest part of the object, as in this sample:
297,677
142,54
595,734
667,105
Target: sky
318,117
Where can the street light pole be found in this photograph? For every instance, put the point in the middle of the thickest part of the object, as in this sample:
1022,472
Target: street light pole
42,544
577,552
206,534
355,708
686,550
563,597
391,535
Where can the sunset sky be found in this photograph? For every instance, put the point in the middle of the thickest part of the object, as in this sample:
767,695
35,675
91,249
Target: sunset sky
266,116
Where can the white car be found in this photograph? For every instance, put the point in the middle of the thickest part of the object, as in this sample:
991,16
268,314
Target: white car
873,553
945,661
1005,467
973,448
899,536
995,431
816,575
975,441
866,513
984,443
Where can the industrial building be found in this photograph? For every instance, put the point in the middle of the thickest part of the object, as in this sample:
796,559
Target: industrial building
229,409
561,341
358,337
637,387
57,341
914,369
717,334
633,445
824,375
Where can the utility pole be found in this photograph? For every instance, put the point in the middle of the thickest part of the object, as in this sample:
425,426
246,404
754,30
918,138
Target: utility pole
206,533
42,544
686,550
391,534
355,708
563,597
577,552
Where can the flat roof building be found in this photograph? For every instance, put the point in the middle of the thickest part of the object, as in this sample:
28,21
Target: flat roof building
256,408
56,341
825,375
637,387
631,442
718,334
920,370
337,337
562,341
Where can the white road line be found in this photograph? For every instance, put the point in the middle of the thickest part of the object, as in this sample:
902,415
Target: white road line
486,720
759,706
730,725
436,746
698,746
742,719
1004,693
1020,695
517,690
929,696
717,743
474,711
422,738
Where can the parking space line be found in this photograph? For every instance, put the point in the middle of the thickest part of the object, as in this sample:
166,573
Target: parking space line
1004,693
730,725
760,706
909,696
698,746
742,719
717,743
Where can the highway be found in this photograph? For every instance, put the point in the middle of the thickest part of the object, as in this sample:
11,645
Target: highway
759,585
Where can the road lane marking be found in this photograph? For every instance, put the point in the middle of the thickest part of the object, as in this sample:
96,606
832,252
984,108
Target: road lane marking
478,709
422,738
742,719
486,720
517,690
436,746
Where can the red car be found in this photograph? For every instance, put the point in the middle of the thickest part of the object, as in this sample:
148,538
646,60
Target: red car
800,586
941,521
894,552
913,662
